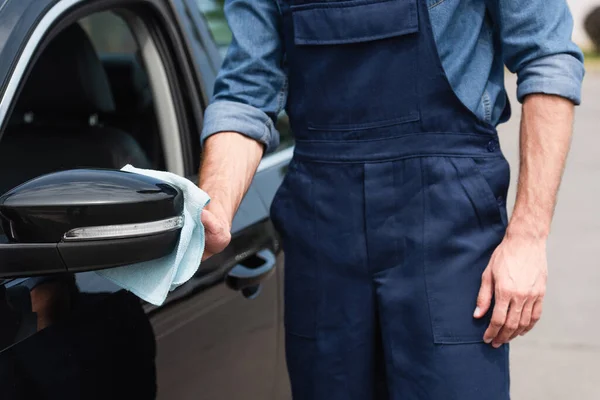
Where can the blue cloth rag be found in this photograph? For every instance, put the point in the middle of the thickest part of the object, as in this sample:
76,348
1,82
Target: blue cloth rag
152,280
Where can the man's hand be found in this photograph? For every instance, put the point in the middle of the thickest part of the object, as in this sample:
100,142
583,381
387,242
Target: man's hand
517,272
516,278
217,232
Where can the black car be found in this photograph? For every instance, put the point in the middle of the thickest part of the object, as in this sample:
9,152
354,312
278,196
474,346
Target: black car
87,87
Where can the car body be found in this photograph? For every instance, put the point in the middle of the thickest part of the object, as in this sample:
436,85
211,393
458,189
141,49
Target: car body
75,334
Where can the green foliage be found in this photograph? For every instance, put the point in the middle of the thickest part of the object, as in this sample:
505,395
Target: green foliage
215,17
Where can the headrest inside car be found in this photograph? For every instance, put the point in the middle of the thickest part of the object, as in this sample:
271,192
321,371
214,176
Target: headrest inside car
67,79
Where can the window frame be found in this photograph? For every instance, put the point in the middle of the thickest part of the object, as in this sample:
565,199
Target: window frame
162,93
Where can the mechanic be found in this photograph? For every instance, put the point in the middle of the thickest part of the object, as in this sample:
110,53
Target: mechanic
404,277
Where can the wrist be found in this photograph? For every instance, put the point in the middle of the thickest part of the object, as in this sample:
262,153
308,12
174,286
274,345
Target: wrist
529,221
526,231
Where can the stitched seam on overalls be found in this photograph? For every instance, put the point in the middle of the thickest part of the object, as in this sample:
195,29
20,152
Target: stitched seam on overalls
478,135
317,277
507,366
399,32
310,159
341,4
424,244
317,282
412,117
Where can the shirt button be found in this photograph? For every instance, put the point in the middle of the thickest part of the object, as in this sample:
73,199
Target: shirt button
492,146
500,200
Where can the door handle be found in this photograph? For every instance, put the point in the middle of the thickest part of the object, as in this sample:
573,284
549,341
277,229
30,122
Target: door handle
250,272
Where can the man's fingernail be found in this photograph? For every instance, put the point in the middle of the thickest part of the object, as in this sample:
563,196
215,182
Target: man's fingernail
496,345
477,311
487,340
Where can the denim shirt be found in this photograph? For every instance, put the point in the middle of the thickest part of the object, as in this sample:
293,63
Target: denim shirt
476,39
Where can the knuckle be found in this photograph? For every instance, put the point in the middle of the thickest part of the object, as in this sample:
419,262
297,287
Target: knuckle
521,294
502,289
511,326
503,296
496,323
523,326
507,293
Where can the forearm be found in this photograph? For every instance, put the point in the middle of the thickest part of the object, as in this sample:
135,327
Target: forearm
546,129
229,162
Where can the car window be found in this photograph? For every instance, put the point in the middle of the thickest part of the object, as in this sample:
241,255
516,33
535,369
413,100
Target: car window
109,33
100,104
119,53
215,18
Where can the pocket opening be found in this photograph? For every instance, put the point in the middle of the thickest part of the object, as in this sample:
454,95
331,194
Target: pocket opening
479,191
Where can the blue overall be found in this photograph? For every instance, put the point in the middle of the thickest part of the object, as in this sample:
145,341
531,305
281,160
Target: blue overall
390,211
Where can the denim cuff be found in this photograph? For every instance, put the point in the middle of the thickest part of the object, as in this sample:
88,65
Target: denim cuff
231,116
558,74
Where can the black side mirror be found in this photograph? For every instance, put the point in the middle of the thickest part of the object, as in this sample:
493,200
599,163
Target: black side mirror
83,220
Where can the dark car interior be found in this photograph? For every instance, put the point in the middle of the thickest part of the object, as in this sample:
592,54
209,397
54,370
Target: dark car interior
80,109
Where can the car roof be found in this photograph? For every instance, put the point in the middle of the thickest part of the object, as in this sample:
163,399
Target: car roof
18,19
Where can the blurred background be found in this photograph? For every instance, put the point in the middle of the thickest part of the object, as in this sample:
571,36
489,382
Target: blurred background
581,10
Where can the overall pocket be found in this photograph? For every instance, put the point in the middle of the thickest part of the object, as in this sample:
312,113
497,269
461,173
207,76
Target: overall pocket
485,181
464,223
354,63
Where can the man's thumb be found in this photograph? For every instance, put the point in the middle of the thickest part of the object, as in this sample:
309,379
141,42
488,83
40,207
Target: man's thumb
484,299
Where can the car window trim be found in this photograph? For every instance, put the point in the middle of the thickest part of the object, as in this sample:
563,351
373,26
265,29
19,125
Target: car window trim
162,93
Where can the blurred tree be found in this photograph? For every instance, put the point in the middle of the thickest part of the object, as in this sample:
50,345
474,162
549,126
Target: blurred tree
213,11
592,27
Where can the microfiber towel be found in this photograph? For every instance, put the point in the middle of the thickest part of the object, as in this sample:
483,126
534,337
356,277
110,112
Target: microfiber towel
152,280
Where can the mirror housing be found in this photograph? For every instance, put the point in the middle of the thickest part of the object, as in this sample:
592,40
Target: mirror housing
86,219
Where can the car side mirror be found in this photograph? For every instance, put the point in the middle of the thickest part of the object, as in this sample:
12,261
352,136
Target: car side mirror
84,220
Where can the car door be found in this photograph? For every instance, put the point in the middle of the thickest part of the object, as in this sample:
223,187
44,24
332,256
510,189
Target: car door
216,337
249,347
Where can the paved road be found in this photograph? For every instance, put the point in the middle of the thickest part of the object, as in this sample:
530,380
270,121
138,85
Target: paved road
560,359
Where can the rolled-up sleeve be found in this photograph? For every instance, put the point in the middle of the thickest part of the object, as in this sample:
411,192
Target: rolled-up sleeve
251,87
535,37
